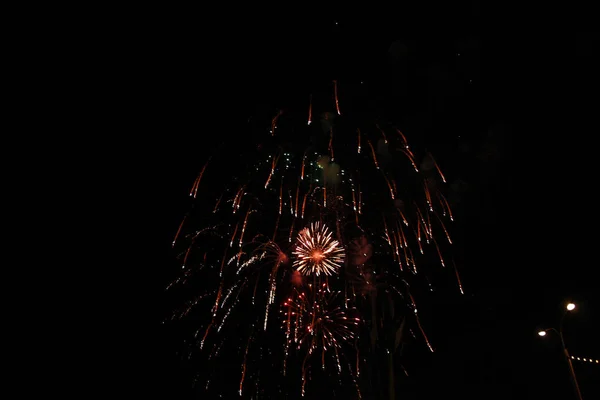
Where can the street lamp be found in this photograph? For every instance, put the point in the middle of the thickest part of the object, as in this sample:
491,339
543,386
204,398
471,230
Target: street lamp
569,307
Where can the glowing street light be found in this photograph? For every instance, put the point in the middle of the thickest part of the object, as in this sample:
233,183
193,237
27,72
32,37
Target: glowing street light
569,307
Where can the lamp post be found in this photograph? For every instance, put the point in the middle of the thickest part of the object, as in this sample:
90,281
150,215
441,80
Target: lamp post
568,308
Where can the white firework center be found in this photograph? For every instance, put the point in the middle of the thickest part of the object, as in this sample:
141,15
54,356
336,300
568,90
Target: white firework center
317,252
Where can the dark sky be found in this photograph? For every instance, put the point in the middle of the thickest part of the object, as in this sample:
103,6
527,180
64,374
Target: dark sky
460,78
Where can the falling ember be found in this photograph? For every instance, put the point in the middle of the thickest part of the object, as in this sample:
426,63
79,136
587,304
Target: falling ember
359,200
437,168
337,104
281,197
179,230
403,217
445,202
244,365
196,184
354,204
244,227
382,133
373,153
218,202
281,258
274,122
458,278
316,252
303,205
423,332
234,232
291,231
238,199
302,168
424,224
439,252
387,233
427,195
411,158
273,165
403,138
358,134
389,186
444,227
331,143
397,246
310,111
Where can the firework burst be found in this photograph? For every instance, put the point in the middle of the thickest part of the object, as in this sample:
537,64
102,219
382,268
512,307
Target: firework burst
328,234
315,320
317,252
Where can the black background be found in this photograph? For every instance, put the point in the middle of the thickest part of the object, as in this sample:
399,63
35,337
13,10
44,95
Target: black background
186,76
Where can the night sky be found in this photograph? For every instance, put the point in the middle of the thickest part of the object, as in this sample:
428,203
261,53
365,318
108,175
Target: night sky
457,78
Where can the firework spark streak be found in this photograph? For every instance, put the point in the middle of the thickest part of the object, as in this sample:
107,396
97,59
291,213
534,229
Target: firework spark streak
310,111
325,241
337,103
196,184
